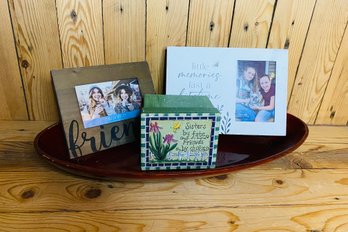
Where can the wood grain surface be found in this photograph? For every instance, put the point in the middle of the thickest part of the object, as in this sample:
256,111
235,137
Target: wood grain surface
333,109
294,219
53,190
81,32
320,52
211,20
165,26
251,23
13,105
124,19
305,190
38,48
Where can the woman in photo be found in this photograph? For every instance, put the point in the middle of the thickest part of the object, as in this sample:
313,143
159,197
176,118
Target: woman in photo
124,102
247,92
266,112
98,105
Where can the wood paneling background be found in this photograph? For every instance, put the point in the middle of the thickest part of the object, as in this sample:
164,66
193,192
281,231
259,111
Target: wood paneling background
38,36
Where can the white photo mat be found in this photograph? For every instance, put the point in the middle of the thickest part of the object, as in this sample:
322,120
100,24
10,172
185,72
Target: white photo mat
214,72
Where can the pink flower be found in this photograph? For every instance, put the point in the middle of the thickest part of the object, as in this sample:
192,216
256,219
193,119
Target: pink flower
154,127
168,138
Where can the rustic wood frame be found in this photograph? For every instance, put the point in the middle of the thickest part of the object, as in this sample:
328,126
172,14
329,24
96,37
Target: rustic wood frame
83,141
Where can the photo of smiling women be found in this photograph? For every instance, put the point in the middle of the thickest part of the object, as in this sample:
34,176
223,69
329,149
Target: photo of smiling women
107,102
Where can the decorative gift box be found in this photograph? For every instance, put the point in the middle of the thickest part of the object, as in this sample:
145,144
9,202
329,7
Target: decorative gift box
178,132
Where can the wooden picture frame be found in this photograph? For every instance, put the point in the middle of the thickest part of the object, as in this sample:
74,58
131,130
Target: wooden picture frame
69,83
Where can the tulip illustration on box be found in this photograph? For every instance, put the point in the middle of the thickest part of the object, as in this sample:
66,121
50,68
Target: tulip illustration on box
160,146
178,132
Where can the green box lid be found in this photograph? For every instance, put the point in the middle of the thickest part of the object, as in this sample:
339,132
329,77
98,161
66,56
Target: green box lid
156,103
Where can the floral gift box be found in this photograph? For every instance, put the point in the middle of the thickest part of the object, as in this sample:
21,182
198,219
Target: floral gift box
178,132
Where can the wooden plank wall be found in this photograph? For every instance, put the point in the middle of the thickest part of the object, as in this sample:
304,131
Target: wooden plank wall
38,36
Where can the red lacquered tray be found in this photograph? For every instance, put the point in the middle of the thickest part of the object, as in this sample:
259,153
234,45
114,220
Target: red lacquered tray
235,152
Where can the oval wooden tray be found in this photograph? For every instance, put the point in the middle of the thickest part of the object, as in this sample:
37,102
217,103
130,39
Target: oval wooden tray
235,152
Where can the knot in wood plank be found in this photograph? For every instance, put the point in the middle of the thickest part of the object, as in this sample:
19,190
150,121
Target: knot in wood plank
280,182
211,26
221,177
73,15
25,64
93,193
28,194
287,43
298,162
220,181
246,27
332,115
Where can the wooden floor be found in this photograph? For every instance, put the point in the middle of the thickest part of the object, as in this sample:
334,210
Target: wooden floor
306,190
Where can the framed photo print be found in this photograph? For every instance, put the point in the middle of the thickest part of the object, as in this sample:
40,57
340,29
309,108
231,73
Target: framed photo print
100,106
107,102
247,85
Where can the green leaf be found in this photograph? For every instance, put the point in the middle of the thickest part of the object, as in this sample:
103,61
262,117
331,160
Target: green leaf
152,143
172,147
155,135
155,153
160,139
166,148
164,152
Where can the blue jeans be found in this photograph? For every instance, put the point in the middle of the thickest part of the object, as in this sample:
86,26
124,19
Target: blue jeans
244,113
264,115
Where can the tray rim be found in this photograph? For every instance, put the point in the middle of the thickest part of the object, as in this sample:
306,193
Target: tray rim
86,171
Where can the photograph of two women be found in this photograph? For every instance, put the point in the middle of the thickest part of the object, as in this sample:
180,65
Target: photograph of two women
255,97
107,102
